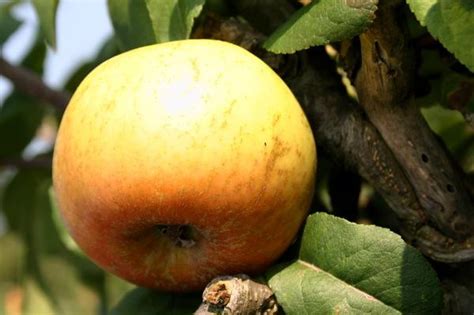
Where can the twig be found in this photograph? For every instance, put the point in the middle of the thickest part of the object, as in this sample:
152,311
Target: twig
31,84
237,295
21,163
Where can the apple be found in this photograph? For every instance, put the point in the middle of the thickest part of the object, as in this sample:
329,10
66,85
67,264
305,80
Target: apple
178,162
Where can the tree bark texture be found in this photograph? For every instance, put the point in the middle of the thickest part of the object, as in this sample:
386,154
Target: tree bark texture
237,295
384,137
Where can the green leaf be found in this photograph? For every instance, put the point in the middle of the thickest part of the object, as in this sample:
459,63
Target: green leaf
451,22
450,126
54,281
173,19
349,268
28,211
20,117
46,11
35,300
34,61
142,301
8,24
109,49
220,7
13,257
55,287
64,236
131,23
10,295
450,95
115,289
322,22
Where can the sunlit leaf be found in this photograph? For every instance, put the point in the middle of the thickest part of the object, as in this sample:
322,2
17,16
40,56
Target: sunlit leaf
54,280
449,125
46,11
115,289
131,23
349,268
322,22
55,287
13,257
60,227
450,96
451,22
173,19
8,23
34,298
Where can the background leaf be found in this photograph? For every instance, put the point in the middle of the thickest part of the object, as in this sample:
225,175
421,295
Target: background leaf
8,23
63,234
115,289
109,48
449,96
345,267
173,19
11,265
131,23
322,22
27,208
142,301
21,115
56,287
46,11
54,280
450,126
450,21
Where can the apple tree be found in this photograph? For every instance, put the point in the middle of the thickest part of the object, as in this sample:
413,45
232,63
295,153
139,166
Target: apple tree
387,87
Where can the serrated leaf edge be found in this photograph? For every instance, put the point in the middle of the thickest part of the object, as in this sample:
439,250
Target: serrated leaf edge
428,27
291,51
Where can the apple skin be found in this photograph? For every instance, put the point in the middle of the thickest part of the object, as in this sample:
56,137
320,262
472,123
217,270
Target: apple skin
199,134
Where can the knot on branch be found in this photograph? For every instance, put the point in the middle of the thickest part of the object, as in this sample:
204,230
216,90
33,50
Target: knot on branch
237,295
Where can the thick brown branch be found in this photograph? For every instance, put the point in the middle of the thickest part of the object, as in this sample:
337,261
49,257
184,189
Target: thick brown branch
237,295
343,130
384,84
31,84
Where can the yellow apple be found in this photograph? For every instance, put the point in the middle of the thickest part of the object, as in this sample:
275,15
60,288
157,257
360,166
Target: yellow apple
181,161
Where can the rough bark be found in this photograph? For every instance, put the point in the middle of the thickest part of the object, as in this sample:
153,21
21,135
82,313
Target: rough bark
384,84
237,295
343,130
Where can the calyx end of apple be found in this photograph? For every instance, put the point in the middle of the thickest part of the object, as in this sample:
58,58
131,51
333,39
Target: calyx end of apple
181,235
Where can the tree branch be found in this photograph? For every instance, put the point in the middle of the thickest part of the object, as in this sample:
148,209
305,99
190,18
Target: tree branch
39,162
237,295
343,130
31,84
384,84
